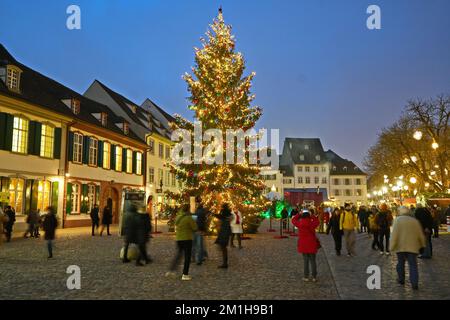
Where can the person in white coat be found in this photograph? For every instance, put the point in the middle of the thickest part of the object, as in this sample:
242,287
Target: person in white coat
236,227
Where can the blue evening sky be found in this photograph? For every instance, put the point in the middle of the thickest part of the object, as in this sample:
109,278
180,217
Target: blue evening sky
319,71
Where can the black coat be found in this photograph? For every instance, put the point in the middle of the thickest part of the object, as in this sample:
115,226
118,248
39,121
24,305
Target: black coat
201,214
94,215
223,237
107,216
425,218
137,227
334,225
49,225
12,218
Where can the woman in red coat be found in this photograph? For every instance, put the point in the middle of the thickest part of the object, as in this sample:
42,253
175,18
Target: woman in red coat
307,244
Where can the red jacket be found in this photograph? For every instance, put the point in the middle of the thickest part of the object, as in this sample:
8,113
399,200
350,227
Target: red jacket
307,240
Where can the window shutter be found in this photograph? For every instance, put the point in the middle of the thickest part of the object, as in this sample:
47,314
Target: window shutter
55,193
100,154
143,161
134,161
34,195
70,147
31,133
113,157
37,138
86,149
57,144
69,198
84,194
2,130
9,131
124,159
97,195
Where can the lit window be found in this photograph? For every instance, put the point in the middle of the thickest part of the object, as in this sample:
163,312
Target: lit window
129,161
77,148
91,196
75,105
93,151
13,79
151,175
106,155
47,138
20,135
151,146
16,194
118,159
75,198
139,163
43,195
161,150
167,152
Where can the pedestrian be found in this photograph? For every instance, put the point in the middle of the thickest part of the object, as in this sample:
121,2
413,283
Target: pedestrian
407,241
336,232
185,227
284,217
32,220
3,221
11,214
321,220
435,214
373,227
38,223
202,227
362,217
348,223
95,219
223,236
236,227
136,230
383,220
106,220
307,243
426,221
49,225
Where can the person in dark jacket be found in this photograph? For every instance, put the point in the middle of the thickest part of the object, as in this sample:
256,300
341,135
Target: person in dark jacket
95,219
106,220
363,216
383,220
336,232
426,221
202,218
49,225
11,214
32,220
223,236
137,230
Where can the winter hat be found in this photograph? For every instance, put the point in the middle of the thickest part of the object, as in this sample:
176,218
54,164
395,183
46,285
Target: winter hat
383,207
402,210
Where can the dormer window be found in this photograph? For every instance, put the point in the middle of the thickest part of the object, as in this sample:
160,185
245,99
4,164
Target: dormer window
334,168
75,106
317,157
345,168
13,78
126,128
306,147
302,157
104,119
132,107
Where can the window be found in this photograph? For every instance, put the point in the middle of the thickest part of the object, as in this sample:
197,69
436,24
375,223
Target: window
167,152
287,181
151,175
316,169
129,168
75,105
345,168
139,163
348,192
299,169
151,145
316,180
106,155
47,138
358,182
43,195
336,182
347,182
324,169
20,135
306,147
336,192
300,180
126,128
302,157
104,119
358,192
161,150
167,182
13,80
118,159
160,177
75,198
334,168
77,148
324,180
306,169
307,180
91,196
16,187
317,157
93,151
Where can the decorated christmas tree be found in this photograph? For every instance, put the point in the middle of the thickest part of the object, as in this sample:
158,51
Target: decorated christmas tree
221,98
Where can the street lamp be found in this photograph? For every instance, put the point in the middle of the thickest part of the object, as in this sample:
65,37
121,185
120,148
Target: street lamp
435,145
413,180
418,135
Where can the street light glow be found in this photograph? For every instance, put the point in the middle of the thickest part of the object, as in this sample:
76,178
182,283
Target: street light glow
435,145
413,158
413,180
417,135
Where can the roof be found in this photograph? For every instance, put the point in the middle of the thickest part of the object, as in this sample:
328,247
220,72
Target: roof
340,166
302,151
47,93
141,116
